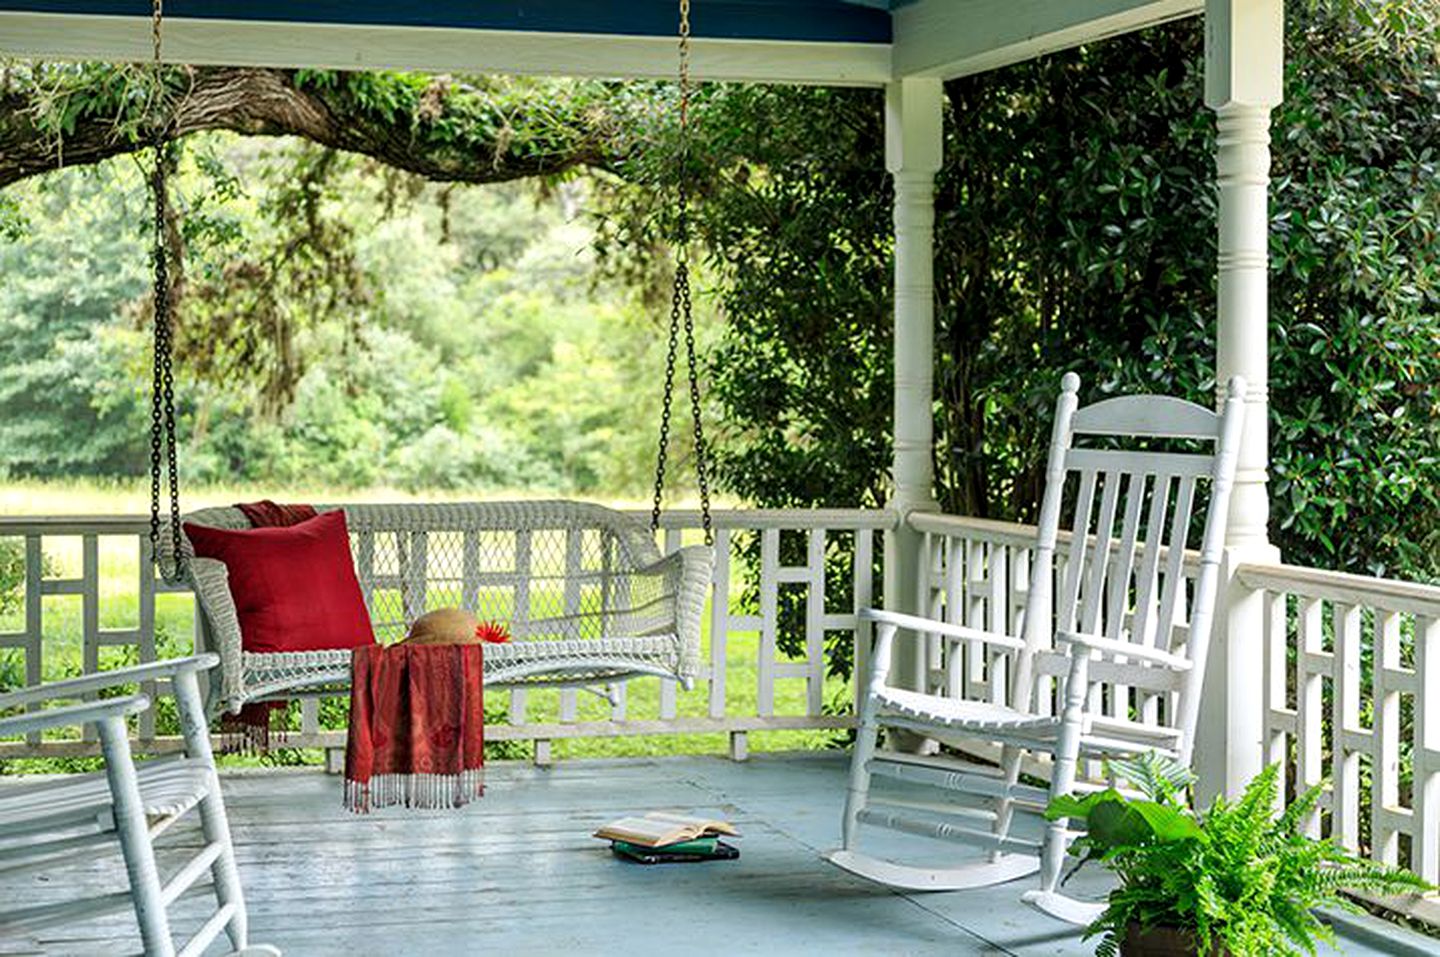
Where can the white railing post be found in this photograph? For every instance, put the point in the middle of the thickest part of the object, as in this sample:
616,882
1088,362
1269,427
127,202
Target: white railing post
913,150
1244,66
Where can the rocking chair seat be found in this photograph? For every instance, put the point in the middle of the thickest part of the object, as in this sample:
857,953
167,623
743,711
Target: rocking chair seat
1099,734
168,788
981,717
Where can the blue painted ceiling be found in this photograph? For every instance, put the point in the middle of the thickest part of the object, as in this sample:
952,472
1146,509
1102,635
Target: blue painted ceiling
853,21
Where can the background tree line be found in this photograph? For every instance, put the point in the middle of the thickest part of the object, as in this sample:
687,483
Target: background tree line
369,310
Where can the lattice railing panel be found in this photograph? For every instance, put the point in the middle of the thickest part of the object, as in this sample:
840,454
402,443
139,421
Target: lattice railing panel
553,574
1352,698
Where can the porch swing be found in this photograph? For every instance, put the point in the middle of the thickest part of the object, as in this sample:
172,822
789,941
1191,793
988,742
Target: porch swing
587,596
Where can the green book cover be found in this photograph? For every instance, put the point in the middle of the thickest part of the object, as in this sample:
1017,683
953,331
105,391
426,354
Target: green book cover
664,855
701,845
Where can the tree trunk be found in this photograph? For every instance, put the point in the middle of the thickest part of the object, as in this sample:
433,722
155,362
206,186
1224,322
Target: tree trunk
447,132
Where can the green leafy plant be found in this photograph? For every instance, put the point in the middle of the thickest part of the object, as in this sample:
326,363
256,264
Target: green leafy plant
1238,877
12,573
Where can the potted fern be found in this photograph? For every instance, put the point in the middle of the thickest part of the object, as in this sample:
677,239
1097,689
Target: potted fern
1237,879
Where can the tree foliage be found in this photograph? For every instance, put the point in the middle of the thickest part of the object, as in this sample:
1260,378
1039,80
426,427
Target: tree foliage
1075,231
473,130
341,324
66,406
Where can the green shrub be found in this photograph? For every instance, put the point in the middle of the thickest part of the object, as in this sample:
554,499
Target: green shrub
12,574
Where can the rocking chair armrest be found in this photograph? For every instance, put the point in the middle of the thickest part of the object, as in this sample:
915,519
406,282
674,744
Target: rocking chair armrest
916,624
85,684
1124,649
75,714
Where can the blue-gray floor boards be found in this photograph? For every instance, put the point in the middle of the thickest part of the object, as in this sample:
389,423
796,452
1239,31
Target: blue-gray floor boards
518,873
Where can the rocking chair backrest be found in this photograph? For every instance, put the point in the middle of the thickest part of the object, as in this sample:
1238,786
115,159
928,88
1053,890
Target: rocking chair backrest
1129,498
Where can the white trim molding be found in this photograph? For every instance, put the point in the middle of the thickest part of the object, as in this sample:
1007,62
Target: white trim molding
945,39
438,49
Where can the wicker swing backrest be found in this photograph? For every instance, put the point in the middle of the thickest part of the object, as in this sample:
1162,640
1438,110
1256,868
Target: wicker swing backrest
550,571
547,570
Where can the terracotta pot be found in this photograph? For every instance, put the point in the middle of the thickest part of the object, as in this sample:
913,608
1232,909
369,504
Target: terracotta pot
1164,942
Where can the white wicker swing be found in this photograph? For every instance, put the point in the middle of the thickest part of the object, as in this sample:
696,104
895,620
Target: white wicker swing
586,594
584,591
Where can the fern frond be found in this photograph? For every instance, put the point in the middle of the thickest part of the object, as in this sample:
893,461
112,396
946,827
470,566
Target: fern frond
1159,777
1300,808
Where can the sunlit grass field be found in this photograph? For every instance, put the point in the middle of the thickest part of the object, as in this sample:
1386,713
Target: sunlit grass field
118,573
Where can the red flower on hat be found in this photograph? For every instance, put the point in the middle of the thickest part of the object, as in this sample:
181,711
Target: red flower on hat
493,632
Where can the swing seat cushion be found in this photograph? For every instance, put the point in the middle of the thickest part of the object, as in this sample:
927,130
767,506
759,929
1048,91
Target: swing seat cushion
294,587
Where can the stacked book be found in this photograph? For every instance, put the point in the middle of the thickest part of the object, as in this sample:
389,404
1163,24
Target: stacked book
663,838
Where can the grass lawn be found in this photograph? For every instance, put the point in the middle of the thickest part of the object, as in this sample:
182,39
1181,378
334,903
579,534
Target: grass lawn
118,601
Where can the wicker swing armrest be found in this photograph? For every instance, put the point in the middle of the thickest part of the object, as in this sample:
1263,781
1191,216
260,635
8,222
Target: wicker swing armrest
687,574
220,627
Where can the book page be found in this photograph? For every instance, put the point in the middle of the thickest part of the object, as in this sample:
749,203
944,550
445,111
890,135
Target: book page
699,823
646,831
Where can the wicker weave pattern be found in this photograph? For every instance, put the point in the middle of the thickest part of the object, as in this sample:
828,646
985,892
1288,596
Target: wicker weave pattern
585,592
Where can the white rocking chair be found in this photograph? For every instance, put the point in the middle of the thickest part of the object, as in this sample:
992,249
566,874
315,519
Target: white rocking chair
48,824
585,592
1126,675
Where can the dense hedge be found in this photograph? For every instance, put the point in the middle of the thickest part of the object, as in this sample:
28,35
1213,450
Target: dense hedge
1076,231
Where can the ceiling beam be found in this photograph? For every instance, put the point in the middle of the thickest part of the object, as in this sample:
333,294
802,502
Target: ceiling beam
438,49
950,38
831,21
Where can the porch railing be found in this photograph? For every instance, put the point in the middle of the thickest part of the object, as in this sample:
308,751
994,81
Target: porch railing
1352,694
1352,689
770,582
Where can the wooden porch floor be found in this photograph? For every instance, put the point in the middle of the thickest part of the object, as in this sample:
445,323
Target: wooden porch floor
518,873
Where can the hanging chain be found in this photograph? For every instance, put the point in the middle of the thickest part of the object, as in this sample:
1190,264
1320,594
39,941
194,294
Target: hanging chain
162,386
681,312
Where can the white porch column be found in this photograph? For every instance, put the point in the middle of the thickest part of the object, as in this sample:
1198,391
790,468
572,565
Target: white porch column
1244,66
913,149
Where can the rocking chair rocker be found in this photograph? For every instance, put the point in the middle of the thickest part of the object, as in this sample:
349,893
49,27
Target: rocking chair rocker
1113,668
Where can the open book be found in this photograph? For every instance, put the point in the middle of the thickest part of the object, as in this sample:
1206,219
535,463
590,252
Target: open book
659,828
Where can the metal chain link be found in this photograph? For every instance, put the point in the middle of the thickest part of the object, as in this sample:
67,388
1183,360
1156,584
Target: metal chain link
162,385
681,313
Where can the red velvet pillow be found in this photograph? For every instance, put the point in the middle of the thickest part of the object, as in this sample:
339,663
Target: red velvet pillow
294,587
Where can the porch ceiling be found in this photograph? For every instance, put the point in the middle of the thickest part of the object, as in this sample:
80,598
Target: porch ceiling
839,42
